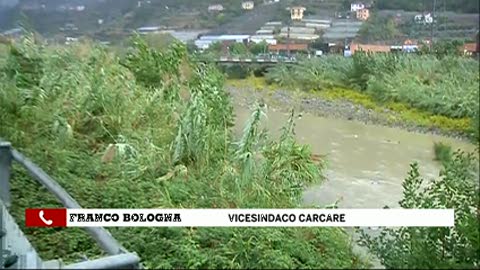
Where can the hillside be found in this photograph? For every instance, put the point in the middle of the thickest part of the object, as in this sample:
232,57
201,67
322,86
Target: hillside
460,6
96,16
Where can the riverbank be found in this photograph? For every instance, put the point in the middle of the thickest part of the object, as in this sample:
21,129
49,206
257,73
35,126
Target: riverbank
348,104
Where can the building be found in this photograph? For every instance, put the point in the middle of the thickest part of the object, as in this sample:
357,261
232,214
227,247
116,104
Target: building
205,41
150,29
285,48
297,30
354,47
248,5
299,33
264,32
363,14
316,23
276,23
354,7
423,18
296,13
10,35
213,8
470,49
269,39
342,30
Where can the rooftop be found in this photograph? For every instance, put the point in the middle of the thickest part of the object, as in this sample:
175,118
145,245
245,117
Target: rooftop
285,47
224,37
369,48
470,47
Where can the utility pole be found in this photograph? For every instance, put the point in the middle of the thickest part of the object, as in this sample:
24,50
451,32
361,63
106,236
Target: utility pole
432,34
445,16
288,40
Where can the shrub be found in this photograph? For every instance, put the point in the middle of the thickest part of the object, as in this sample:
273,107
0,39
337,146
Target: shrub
443,152
455,247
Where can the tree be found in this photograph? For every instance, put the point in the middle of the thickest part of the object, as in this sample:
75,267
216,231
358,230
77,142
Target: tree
258,48
346,4
191,47
379,28
160,41
443,48
238,48
466,6
215,48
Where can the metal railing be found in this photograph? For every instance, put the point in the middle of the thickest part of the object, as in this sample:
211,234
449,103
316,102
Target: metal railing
249,60
119,257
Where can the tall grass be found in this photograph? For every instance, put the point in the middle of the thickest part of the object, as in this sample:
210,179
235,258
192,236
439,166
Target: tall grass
443,152
121,133
447,86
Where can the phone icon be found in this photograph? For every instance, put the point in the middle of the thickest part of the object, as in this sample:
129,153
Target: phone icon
46,221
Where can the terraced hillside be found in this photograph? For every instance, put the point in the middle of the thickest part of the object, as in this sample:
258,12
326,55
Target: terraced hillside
251,21
450,25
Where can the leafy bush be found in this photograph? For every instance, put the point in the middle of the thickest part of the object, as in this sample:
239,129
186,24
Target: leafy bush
236,71
455,247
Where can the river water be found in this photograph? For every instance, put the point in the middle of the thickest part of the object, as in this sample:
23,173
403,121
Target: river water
366,163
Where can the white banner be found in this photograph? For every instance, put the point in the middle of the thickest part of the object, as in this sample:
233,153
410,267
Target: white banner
260,217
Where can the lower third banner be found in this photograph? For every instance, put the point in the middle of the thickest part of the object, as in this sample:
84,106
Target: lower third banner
239,217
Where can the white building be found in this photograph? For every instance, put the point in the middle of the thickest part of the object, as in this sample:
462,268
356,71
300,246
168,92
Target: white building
354,7
149,29
317,25
296,13
215,8
274,23
423,19
205,41
269,39
248,5
264,32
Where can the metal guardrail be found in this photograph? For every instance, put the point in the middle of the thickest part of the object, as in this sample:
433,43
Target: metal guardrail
119,257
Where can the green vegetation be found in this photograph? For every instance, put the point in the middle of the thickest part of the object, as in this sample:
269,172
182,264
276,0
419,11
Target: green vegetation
259,48
238,49
152,130
159,41
466,6
400,111
443,152
446,87
443,48
379,28
455,247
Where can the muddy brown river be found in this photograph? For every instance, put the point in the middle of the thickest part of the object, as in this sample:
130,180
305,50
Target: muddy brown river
366,163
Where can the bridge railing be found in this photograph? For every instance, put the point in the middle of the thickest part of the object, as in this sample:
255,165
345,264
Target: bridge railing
119,257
